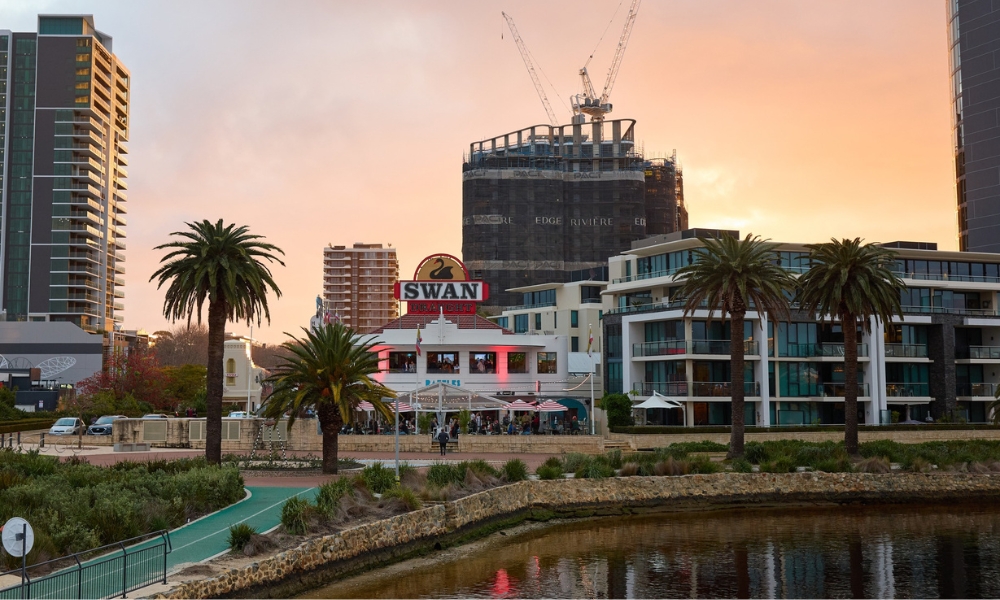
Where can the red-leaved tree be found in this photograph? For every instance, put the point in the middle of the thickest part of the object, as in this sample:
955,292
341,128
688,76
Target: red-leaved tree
136,373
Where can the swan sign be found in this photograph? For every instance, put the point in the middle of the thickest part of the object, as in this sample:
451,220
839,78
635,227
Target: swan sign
441,283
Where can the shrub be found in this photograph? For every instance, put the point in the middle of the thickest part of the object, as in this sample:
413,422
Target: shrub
741,465
755,452
618,408
704,466
572,461
918,464
614,458
514,470
834,465
294,515
330,494
702,446
240,535
405,495
629,469
478,466
549,472
442,474
782,464
378,478
596,468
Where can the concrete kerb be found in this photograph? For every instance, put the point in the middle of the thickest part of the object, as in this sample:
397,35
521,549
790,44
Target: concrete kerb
324,559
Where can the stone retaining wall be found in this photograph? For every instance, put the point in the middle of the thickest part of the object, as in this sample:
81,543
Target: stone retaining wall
323,559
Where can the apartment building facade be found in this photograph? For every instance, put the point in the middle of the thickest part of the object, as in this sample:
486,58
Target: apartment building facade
64,121
940,359
358,284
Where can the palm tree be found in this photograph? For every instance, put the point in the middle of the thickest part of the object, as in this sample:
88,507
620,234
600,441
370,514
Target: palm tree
732,276
330,370
223,264
852,282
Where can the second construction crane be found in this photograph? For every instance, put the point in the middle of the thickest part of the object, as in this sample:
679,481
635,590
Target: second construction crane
589,102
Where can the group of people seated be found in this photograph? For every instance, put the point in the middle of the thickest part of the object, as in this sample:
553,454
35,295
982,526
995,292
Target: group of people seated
478,425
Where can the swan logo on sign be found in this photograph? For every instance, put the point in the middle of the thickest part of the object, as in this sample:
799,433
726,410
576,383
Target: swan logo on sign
441,283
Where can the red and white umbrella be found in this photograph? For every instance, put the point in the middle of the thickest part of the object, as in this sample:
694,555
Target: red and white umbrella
519,405
550,406
403,407
365,406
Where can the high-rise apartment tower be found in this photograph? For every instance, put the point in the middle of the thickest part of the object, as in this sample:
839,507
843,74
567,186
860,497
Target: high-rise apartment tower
64,110
974,38
550,204
357,285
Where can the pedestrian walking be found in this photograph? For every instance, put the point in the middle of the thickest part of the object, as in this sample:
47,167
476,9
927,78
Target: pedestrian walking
442,438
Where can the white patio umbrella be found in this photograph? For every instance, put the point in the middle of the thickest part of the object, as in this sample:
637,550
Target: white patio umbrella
520,405
550,406
658,400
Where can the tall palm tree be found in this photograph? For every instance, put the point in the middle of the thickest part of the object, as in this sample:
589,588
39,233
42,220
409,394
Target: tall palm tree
223,264
732,276
329,370
852,282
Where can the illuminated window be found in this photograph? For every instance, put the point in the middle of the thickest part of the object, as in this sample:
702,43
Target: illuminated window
546,363
482,362
517,362
231,371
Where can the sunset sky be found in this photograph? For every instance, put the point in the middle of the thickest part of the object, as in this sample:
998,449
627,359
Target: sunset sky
343,122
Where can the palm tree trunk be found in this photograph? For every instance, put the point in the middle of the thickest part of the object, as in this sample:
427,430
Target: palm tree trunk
330,422
213,380
736,376
849,325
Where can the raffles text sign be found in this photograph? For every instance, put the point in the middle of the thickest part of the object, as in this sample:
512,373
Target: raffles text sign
441,283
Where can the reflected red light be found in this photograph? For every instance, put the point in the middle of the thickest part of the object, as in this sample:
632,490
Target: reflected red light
501,584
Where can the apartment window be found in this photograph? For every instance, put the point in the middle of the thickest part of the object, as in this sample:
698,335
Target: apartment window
574,318
574,344
402,362
546,363
443,362
482,362
502,322
538,321
517,362
521,323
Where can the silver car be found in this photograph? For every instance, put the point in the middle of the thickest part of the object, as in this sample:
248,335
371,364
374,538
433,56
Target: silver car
67,426
103,425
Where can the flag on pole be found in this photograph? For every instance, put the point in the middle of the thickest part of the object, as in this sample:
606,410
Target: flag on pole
590,340
418,341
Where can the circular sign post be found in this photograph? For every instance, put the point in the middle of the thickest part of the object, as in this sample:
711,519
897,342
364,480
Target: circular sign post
18,539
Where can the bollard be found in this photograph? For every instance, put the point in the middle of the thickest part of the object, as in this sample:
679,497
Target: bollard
18,438
41,440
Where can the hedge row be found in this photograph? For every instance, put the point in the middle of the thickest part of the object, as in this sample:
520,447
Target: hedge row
674,429
26,425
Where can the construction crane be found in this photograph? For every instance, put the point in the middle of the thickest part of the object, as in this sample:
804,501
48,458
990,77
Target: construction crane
588,102
531,69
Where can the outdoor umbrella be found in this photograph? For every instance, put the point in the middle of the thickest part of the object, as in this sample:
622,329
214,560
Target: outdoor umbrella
520,405
403,407
659,401
365,406
550,406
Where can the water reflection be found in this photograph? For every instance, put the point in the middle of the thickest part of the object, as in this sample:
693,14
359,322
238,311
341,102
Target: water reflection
882,552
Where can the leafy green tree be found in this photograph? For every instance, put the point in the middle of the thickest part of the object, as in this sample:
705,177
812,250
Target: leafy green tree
329,370
225,265
733,276
618,407
185,384
854,283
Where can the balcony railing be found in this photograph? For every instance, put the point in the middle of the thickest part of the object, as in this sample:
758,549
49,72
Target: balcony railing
983,352
976,390
812,350
946,277
906,350
905,390
641,276
839,390
950,310
703,389
671,347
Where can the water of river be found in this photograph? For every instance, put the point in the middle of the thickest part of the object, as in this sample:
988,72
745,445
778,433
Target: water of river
861,552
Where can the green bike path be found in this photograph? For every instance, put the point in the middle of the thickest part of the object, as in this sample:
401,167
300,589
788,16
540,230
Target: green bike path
209,536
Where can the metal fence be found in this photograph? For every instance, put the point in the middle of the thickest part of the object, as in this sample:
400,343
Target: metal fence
117,570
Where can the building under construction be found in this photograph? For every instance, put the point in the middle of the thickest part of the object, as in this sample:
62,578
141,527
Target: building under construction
542,204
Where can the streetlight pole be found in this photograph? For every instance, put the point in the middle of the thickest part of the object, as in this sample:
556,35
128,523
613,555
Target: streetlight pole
249,362
593,375
396,400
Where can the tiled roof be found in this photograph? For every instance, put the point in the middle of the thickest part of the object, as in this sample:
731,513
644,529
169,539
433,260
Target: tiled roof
423,321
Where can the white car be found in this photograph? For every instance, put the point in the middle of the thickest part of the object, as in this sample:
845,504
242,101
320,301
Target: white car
67,426
239,414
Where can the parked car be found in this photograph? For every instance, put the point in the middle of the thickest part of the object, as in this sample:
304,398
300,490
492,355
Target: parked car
239,414
67,426
155,416
103,425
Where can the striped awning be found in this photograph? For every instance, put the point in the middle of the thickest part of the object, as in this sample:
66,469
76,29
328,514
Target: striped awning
519,405
365,406
550,406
